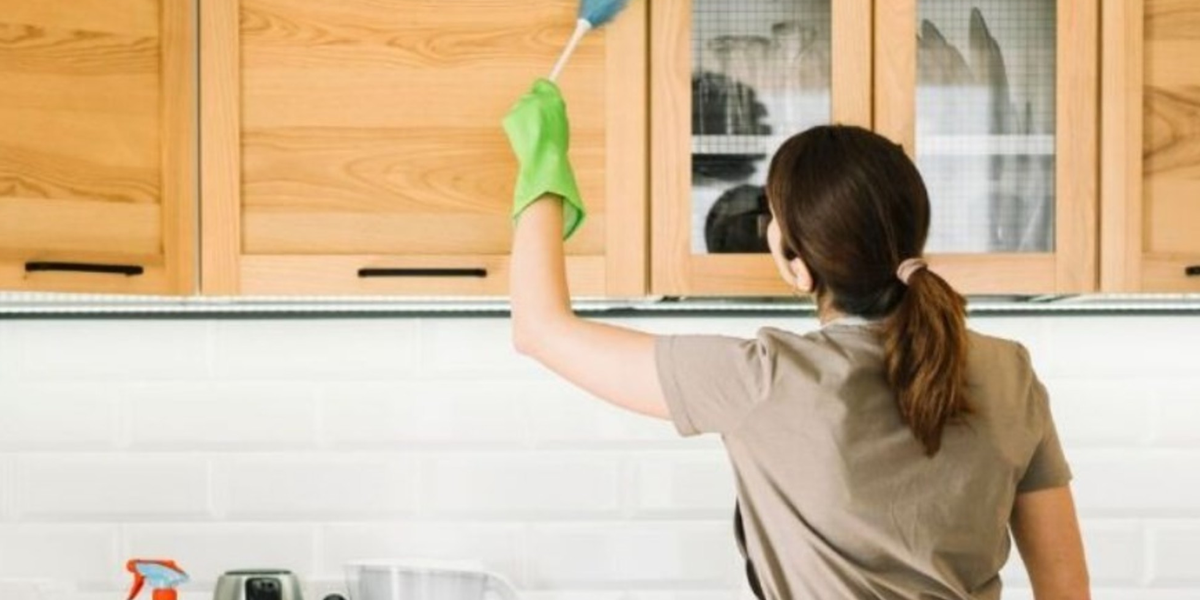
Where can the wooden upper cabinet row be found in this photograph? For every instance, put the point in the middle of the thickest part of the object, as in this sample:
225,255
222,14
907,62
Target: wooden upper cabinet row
355,147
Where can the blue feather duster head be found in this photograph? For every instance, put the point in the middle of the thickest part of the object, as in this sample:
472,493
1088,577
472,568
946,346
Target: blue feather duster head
599,12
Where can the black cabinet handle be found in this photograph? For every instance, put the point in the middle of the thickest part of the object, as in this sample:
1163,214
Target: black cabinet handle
1192,271
70,267
365,273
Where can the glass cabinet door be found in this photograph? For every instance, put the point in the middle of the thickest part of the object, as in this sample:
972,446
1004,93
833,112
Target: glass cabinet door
731,81
760,73
985,106
996,102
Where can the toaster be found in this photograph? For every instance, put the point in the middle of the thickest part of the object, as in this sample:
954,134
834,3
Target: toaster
251,584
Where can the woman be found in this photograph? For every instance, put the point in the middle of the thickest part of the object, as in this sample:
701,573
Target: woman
886,455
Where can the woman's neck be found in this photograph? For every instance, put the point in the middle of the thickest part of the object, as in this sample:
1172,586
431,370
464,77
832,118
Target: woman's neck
826,313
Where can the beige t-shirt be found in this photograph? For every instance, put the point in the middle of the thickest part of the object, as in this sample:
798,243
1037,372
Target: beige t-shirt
838,498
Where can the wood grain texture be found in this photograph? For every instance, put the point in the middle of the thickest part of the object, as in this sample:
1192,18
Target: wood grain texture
368,128
627,155
180,217
269,231
338,275
37,226
1121,164
896,72
395,170
670,143
96,131
42,50
220,149
130,17
1027,274
1151,146
1170,146
1077,139
853,62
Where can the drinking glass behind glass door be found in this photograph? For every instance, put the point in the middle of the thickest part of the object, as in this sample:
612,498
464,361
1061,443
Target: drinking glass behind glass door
761,72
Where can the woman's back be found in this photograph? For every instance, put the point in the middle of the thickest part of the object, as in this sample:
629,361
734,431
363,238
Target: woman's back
838,498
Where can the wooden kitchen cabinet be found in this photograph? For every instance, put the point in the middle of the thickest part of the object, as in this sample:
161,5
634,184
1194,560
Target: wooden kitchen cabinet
729,82
97,171
996,100
355,147
1151,147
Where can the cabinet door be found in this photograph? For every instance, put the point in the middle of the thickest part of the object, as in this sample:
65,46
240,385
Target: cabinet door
996,100
1151,148
96,146
730,82
354,147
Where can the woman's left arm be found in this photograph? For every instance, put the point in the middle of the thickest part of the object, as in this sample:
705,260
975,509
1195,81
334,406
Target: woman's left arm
613,363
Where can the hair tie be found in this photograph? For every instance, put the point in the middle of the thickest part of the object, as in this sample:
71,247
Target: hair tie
908,267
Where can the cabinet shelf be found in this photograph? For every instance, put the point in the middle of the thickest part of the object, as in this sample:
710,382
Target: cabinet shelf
759,146
985,145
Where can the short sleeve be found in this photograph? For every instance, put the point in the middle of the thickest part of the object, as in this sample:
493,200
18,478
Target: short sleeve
711,382
1048,466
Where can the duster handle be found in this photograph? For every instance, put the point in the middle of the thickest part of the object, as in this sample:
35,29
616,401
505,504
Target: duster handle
581,29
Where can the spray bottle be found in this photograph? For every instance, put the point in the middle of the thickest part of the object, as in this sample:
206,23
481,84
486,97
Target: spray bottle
163,575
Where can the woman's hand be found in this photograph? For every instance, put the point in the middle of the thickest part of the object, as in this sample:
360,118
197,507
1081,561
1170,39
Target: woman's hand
539,133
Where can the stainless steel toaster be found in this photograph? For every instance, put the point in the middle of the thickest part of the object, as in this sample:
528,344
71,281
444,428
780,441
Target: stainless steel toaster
265,584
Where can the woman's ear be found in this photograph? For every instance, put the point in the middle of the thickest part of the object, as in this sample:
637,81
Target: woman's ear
791,268
800,275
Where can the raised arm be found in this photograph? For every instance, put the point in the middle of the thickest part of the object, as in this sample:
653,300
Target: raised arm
613,363
1046,529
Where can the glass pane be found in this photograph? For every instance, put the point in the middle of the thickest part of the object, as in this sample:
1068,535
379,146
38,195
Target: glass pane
985,123
760,73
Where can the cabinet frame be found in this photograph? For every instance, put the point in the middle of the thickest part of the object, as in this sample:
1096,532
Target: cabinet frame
171,269
621,270
1128,266
1073,267
676,271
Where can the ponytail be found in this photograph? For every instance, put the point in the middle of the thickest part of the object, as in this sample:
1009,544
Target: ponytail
925,354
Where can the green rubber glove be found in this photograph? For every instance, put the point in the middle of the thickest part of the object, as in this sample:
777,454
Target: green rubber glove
538,131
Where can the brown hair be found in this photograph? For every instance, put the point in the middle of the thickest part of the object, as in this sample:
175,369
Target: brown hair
852,207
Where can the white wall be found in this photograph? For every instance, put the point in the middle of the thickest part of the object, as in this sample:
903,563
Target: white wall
307,443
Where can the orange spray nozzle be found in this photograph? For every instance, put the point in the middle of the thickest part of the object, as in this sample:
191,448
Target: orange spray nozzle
163,575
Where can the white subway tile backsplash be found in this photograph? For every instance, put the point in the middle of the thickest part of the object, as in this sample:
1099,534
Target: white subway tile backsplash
732,594
206,550
1090,346
109,350
59,416
1101,412
1116,551
1175,553
632,554
306,444
1136,482
207,415
276,349
526,484
1178,419
427,412
500,547
78,487
574,595
315,486
685,484
563,416
84,553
